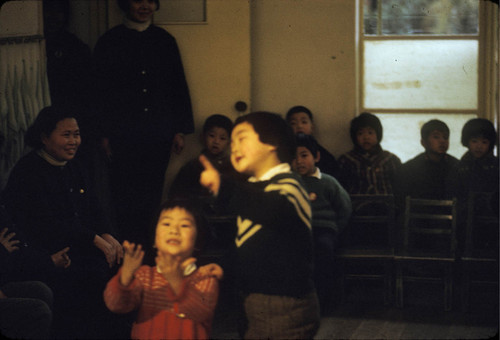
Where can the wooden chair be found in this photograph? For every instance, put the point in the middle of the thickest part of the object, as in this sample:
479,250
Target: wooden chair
367,247
427,249
480,257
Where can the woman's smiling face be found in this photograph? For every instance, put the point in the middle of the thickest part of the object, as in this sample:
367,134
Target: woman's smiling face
62,143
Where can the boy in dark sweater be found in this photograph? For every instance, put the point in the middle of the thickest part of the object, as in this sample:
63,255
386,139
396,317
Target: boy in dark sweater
477,171
273,241
426,175
331,208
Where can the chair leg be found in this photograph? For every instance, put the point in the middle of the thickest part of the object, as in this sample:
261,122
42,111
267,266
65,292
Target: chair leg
465,287
399,285
388,283
448,287
342,279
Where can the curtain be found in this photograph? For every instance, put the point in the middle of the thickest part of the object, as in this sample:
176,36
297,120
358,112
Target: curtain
24,91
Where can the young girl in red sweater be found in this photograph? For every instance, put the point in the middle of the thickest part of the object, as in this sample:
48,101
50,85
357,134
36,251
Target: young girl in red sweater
175,300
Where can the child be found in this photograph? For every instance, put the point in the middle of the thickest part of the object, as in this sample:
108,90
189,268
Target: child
215,138
301,120
331,208
478,167
426,175
477,171
174,299
273,242
367,169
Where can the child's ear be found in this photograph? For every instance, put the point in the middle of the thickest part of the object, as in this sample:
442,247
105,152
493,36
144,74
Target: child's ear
318,157
423,142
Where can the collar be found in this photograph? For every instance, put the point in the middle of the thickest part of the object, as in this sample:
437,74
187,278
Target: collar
51,160
137,26
316,173
278,169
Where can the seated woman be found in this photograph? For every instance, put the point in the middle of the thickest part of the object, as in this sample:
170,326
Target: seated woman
49,198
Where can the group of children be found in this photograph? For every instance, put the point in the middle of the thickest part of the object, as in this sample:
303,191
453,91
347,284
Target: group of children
290,212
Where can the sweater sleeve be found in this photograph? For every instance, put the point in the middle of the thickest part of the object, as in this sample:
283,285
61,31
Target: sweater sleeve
122,299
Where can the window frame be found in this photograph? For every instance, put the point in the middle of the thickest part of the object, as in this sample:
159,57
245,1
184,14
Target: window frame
480,37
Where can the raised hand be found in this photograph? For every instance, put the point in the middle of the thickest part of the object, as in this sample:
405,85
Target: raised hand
212,269
106,248
7,241
132,260
61,258
210,177
117,247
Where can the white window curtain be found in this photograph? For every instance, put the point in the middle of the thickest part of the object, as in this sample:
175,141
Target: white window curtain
24,91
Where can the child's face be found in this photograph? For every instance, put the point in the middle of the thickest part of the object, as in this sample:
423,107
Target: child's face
437,142
367,138
479,147
248,154
216,140
141,10
176,232
301,123
304,162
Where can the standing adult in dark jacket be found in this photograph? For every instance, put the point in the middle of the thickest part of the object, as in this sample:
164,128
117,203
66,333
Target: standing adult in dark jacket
145,109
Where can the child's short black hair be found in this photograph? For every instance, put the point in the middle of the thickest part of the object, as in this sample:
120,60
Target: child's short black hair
273,130
218,120
366,119
432,125
297,109
194,208
307,141
124,5
479,127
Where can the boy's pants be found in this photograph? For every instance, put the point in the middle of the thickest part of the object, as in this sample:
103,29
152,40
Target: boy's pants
281,317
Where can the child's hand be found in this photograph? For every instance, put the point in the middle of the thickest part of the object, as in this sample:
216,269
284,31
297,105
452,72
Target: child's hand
212,269
132,260
61,258
7,241
210,177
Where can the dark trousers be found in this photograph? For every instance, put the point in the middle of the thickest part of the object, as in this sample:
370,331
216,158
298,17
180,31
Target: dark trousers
26,313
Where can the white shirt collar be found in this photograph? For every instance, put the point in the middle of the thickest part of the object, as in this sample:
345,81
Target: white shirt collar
138,26
317,173
278,169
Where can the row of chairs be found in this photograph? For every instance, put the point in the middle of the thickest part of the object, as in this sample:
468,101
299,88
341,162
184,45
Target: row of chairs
426,247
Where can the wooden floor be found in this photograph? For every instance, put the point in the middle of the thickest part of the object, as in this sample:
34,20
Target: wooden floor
362,315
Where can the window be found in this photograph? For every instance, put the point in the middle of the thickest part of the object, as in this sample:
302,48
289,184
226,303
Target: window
419,60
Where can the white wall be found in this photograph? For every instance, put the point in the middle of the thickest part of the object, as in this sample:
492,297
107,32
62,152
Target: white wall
303,53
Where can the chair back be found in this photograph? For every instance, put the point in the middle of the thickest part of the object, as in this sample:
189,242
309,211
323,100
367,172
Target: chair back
372,222
430,227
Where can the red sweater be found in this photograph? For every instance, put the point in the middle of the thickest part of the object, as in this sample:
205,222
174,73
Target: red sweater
162,313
